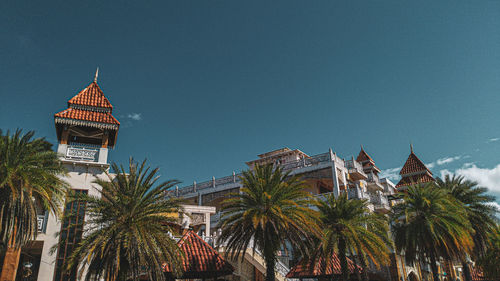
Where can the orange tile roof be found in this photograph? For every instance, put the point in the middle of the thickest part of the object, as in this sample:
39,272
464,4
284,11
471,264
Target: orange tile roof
315,269
91,96
363,156
413,165
366,160
200,259
415,179
87,115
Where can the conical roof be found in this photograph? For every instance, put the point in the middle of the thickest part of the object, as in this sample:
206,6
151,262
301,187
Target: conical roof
413,165
91,96
414,171
89,108
363,156
200,259
367,162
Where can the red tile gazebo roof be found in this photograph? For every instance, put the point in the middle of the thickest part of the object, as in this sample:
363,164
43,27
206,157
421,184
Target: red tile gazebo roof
91,96
315,269
200,259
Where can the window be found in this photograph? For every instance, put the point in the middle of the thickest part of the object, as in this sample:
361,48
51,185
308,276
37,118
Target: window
70,236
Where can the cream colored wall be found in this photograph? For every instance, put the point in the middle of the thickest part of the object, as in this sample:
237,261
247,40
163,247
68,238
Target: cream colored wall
79,177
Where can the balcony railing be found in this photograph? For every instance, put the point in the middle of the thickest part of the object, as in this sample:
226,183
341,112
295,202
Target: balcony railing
83,152
235,178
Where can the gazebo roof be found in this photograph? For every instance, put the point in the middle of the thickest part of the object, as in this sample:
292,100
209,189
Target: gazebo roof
315,269
200,259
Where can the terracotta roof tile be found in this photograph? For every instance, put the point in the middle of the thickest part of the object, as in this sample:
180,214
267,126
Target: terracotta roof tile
91,96
317,268
87,115
363,156
413,165
200,259
415,179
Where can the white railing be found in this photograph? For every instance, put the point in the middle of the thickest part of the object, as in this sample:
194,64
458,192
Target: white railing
235,178
82,152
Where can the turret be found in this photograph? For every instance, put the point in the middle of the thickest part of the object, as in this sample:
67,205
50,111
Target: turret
87,128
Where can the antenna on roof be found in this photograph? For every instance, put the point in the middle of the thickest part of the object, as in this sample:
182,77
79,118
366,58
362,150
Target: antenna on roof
96,74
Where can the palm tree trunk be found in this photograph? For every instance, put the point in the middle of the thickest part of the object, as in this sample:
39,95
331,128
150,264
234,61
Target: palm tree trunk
270,260
466,271
10,264
343,260
434,268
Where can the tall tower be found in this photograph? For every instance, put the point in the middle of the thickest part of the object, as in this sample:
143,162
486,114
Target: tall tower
86,129
85,132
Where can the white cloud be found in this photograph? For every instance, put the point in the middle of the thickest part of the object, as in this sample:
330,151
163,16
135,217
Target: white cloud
135,116
392,174
493,139
489,178
447,160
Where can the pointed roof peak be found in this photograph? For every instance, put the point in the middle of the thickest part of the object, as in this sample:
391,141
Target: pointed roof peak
92,96
363,156
200,259
414,165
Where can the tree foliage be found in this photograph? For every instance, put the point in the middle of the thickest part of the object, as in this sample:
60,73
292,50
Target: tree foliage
30,182
270,212
128,228
429,224
349,226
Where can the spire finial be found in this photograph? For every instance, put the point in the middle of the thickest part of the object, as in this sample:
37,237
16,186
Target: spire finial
96,74
411,147
362,147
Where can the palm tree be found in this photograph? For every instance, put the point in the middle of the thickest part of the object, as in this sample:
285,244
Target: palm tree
491,259
29,182
479,212
128,227
349,226
429,224
270,211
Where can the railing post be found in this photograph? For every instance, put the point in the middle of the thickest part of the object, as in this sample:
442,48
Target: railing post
176,191
194,186
213,181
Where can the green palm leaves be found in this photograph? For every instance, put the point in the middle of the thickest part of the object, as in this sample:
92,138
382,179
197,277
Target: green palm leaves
429,224
478,211
128,228
271,209
349,226
29,182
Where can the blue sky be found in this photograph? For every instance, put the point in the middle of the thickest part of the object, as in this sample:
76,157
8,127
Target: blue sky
200,87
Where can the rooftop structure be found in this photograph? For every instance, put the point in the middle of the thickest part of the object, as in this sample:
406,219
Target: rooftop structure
324,173
414,171
87,128
200,260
